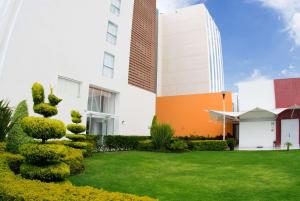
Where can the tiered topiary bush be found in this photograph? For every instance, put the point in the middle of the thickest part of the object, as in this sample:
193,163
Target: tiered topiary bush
43,160
78,140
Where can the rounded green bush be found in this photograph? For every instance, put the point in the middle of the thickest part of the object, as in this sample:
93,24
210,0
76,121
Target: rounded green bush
76,137
54,100
41,154
45,109
76,128
38,93
43,128
50,173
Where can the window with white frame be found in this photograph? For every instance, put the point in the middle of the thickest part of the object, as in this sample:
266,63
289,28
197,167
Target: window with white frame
108,65
115,7
68,87
112,31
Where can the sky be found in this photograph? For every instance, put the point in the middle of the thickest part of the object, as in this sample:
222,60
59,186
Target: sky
260,38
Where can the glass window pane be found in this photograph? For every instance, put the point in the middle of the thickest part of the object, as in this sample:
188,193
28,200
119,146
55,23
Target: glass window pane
116,3
115,10
108,60
111,39
112,28
107,72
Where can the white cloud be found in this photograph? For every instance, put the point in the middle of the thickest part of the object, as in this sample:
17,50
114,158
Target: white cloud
290,71
167,5
289,11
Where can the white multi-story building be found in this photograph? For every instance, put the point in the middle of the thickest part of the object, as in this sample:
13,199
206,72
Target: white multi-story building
189,53
86,51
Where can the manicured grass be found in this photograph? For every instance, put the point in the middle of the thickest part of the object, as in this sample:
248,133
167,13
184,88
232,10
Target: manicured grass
195,176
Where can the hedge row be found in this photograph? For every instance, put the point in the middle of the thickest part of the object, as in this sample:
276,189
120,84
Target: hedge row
208,145
13,187
119,143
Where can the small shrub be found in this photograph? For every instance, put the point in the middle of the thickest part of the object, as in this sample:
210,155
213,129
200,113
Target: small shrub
76,128
14,161
43,128
16,136
231,142
145,145
41,154
49,173
209,145
76,137
161,136
178,145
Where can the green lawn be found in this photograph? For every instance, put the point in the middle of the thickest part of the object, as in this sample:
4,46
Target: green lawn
196,176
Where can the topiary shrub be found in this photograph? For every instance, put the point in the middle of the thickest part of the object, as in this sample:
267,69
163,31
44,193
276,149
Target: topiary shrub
43,128
16,136
43,161
76,137
43,154
161,136
49,173
76,128
45,109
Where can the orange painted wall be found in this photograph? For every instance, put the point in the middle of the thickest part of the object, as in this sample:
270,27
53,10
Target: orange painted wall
188,114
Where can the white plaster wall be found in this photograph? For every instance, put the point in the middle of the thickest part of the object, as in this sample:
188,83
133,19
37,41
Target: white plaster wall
67,38
254,94
137,110
183,64
257,133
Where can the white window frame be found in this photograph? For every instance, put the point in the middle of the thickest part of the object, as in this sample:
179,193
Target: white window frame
106,66
111,37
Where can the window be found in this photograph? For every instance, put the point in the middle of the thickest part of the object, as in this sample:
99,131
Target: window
68,87
108,65
101,101
111,35
115,7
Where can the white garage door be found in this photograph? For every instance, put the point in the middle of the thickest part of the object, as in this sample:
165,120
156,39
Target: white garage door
257,134
290,131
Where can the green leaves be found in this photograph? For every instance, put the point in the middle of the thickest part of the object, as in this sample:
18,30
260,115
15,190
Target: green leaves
6,119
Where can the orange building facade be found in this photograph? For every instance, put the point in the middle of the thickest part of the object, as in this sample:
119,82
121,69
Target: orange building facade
189,116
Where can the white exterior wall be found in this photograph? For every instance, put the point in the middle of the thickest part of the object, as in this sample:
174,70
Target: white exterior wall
189,49
256,94
67,38
257,133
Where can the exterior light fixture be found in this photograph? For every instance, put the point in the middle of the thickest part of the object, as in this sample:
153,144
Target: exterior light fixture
224,117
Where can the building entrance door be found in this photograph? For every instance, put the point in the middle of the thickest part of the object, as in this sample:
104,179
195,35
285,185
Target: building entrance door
290,131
